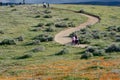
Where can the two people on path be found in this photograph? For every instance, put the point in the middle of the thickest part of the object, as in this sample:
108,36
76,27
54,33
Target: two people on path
46,5
75,40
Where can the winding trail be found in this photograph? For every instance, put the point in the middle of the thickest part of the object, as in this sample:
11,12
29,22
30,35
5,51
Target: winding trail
62,36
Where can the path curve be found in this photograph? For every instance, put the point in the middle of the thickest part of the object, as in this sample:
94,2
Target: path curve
62,36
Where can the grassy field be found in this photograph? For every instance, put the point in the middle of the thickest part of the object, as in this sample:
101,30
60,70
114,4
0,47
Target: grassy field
23,21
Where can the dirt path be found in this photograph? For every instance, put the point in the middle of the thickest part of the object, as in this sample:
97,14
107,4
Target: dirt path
62,37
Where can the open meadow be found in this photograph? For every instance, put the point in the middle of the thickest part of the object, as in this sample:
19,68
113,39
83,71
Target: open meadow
28,50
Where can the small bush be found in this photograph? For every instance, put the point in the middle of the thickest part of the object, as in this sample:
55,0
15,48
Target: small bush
108,57
39,49
40,25
86,55
50,29
91,49
71,24
82,11
37,16
47,11
20,38
104,34
113,48
117,39
72,34
63,51
74,78
8,42
24,56
66,19
111,34
35,42
84,31
1,32
99,52
14,10
96,34
49,24
84,40
96,67
12,5
61,25
37,29
118,29
95,51
112,28
44,37
88,26
47,16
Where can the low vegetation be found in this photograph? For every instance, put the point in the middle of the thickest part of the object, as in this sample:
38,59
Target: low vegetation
38,49
74,78
44,38
27,41
63,51
24,56
8,42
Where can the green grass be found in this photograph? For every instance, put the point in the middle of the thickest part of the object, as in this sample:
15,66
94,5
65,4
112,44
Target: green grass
20,22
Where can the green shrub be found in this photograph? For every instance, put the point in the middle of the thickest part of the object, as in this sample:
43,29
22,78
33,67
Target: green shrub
112,28
82,11
24,56
62,52
111,34
50,29
37,16
20,38
118,29
72,34
96,34
37,29
66,19
108,57
14,10
104,34
88,26
47,16
39,49
49,24
113,48
117,39
35,42
1,32
40,25
83,31
71,24
84,40
47,11
99,52
96,67
74,78
8,42
86,55
95,51
61,25
44,37
91,49
12,5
